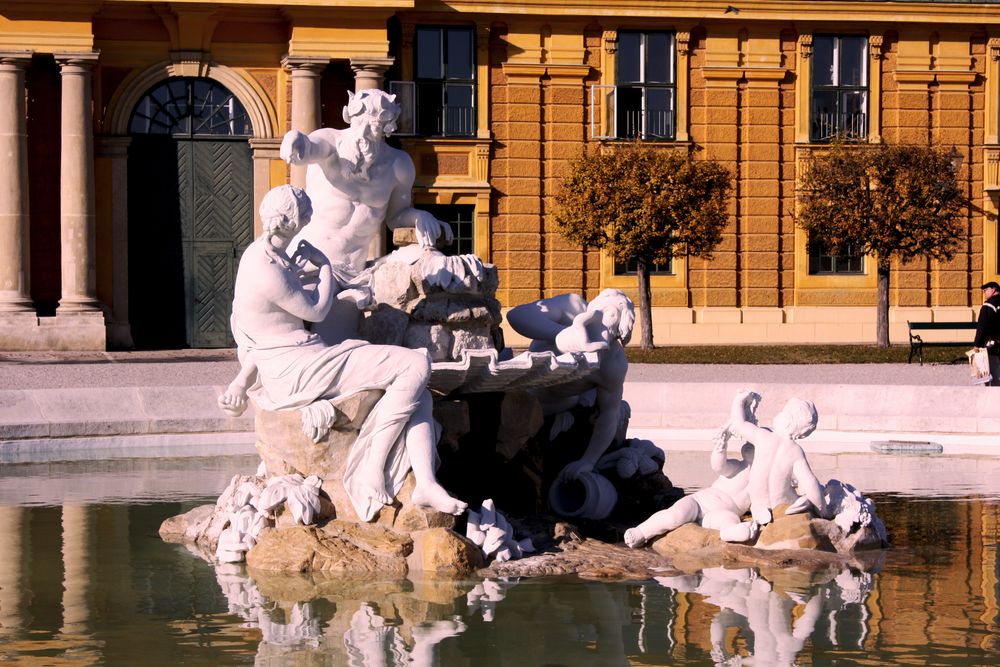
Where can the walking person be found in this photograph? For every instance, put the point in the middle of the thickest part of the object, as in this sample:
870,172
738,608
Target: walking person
988,329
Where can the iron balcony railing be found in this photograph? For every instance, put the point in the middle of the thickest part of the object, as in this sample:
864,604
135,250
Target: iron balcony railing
847,126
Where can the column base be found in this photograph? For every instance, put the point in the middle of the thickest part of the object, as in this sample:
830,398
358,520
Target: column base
76,332
78,306
14,301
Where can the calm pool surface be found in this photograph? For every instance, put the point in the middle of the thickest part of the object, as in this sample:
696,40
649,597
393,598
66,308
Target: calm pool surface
84,579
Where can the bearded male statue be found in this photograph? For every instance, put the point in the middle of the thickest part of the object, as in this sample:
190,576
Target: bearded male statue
357,183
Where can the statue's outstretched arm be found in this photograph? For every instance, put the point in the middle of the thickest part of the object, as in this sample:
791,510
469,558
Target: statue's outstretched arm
299,148
234,399
807,484
546,318
719,460
738,422
401,214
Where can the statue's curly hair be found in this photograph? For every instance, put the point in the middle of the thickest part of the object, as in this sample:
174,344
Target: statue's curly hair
376,102
282,208
615,298
802,417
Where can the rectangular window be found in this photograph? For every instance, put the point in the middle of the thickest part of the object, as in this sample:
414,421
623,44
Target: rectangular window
445,82
642,103
631,267
839,91
822,261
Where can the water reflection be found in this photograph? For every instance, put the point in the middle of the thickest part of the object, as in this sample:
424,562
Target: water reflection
92,583
771,624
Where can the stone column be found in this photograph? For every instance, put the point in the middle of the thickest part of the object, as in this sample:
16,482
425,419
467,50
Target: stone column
306,72
78,562
13,186
369,72
76,197
115,149
263,152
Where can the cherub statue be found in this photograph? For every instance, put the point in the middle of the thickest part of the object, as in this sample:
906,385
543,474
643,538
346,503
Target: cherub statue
357,183
780,472
720,506
285,366
568,324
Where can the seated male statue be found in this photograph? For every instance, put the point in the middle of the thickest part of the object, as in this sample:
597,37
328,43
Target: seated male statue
568,324
288,366
720,506
357,183
780,472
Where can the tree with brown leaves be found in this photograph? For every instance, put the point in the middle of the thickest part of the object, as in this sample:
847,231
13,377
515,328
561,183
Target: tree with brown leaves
647,204
887,201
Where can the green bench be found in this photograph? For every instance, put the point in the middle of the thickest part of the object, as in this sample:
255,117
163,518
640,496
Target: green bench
917,344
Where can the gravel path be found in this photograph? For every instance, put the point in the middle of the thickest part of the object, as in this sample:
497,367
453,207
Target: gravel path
41,370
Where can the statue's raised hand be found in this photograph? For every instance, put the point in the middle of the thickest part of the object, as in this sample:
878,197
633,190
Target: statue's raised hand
587,333
293,147
429,229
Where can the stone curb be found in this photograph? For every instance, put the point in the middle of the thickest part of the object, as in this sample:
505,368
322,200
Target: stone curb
90,412
167,414
846,408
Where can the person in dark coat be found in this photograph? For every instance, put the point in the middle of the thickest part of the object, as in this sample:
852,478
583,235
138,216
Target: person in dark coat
988,329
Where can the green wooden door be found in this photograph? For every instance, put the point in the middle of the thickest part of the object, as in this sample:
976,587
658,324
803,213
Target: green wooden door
190,213
216,190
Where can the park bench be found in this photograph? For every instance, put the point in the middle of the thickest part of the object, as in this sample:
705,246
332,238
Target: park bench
917,344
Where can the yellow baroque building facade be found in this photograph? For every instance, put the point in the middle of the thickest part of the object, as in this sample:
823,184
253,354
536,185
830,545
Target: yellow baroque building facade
138,138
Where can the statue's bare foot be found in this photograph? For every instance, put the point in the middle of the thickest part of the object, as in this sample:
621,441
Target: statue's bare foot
634,538
373,488
433,496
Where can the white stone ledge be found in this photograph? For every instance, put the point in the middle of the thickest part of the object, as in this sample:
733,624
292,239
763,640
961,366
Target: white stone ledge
88,412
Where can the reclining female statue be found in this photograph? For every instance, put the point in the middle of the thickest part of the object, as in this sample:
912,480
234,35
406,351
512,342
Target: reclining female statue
568,324
285,366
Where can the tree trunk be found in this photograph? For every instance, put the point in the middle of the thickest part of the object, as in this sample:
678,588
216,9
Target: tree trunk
882,316
645,308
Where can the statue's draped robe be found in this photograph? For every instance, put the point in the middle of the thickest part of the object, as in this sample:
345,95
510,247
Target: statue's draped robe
298,369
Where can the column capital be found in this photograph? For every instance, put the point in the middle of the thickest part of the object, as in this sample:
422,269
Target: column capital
17,59
311,64
369,72
78,57
379,65
806,45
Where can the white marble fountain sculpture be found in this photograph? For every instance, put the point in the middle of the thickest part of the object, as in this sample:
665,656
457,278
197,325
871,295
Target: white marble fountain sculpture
773,472
301,289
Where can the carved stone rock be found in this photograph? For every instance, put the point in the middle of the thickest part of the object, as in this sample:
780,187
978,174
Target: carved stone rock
285,450
425,300
444,552
339,547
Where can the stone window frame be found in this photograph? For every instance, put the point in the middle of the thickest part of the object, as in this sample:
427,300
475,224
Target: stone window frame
991,163
675,282
823,288
838,87
609,118
413,82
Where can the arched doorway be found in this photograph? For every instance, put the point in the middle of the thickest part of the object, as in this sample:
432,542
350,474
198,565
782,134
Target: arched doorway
190,212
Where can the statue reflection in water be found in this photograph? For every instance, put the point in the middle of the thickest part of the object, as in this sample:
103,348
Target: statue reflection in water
774,623
755,620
